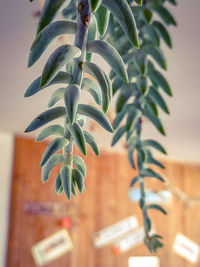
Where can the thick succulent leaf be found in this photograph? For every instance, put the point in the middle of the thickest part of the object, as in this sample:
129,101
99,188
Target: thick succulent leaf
162,31
150,173
72,96
158,79
56,96
80,164
173,2
57,60
164,14
93,89
100,76
73,188
156,121
148,15
134,181
110,55
102,16
92,33
123,13
94,4
61,77
96,115
47,35
50,130
66,178
52,162
81,120
157,207
57,183
131,147
92,142
154,144
151,106
78,136
119,117
118,135
153,161
156,54
122,99
156,96
52,148
132,119
150,34
46,117
50,9
78,177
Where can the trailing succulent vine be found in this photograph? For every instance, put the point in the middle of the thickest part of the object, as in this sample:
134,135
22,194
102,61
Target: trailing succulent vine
142,96
107,28
82,24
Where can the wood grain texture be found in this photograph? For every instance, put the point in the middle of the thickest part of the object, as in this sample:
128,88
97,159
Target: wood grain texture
104,202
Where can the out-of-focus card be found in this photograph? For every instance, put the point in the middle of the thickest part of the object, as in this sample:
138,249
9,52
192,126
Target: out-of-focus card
113,232
186,248
51,248
129,241
150,261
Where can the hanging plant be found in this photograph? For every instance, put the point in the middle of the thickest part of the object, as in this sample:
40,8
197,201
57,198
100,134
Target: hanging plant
73,58
142,97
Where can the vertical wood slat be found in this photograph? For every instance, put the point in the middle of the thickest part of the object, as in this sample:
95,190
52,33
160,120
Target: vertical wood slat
104,202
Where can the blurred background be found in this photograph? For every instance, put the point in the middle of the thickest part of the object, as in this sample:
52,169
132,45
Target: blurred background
31,212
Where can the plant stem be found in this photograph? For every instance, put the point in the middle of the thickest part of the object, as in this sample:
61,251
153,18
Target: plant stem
80,42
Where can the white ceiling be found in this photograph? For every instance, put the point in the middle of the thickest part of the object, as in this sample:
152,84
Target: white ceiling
17,30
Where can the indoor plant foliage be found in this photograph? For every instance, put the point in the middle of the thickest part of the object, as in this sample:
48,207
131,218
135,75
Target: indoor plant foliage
142,97
73,57
108,28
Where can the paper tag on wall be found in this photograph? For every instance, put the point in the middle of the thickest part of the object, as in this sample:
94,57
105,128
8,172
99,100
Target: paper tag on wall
51,247
113,232
150,261
131,240
186,248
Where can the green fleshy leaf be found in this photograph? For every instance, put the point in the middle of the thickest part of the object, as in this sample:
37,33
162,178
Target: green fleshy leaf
165,15
102,16
80,164
52,162
110,55
92,143
100,76
162,31
56,96
47,35
57,184
160,80
150,34
93,89
118,135
46,117
50,130
78,136
156,121
157,207
94,4
61,77
72,96
147,172
154,144
52,148
158,99
57,60
92,33
66,178
156,54
123,13
50,9
131,147
78,177
96,115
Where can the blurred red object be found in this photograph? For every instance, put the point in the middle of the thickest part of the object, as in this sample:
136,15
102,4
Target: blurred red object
66,222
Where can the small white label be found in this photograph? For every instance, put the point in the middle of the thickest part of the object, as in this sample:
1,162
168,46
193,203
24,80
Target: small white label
114,232
131,240
144,261
186,248
51,247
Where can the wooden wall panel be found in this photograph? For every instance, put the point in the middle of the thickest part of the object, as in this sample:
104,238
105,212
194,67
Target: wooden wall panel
104,202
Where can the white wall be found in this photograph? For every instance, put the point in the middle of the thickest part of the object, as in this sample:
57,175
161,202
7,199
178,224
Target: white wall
6,157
